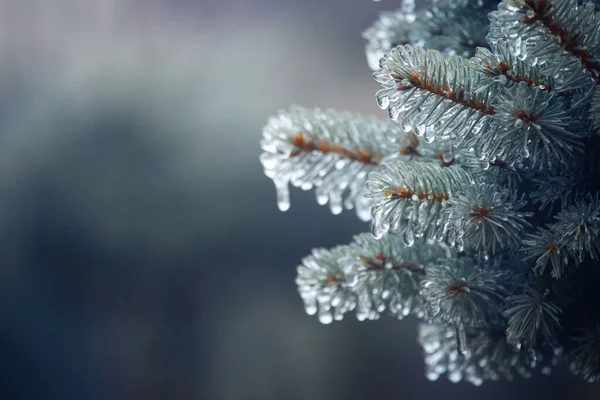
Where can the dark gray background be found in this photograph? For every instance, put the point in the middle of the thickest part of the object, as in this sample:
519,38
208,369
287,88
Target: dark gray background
141,252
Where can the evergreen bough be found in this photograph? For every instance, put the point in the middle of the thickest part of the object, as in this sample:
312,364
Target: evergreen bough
482,189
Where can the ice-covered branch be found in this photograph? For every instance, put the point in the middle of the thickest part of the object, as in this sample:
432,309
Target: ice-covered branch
465,292
368,275
531,315
561,35
410,197
330,151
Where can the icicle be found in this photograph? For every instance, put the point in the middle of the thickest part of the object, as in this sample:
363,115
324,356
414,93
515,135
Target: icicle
283,194
461,340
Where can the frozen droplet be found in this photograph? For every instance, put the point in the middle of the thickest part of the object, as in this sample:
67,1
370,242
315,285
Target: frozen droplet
502,79
283,195
434,308
461,340
325,318
409,237
518,346
533,357
407,125
429,135
460,244
383,101
341,163
377,228
336,300
432,375
311,309
322,198
306,185
455,376
335,203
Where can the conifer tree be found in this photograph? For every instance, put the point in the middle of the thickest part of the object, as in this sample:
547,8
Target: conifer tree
482,189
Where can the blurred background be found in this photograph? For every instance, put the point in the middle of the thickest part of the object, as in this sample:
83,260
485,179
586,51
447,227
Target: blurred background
142,255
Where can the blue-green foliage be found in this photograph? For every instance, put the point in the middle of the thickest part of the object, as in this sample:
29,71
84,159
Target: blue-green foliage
482,191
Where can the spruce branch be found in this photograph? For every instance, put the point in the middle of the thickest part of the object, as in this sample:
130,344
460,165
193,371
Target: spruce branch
487,217
594,113
410,197
369,276
451,97
454,27
585,354
531,315
487,160
330,151
503,68
579,228
555,189
465,292
489,358
422,88
323,286
546,247
572,238
393,28
561,35
537,126
386,273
